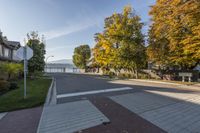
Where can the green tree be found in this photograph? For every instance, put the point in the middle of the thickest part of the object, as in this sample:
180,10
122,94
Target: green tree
36,63
81,56
177,23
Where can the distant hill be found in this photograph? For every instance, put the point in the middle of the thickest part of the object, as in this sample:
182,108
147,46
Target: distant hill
63,61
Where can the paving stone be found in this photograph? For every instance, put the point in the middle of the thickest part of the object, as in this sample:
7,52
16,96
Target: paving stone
141,102
173,112
70,117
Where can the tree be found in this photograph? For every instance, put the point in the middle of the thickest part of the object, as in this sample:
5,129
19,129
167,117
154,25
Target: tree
177,23
36,63
121,45
81,56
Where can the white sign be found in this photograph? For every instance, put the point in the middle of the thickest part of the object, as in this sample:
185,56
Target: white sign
29,53
20,53
185,74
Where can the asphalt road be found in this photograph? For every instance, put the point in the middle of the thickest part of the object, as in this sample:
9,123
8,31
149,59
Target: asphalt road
147,106
72,83
76,83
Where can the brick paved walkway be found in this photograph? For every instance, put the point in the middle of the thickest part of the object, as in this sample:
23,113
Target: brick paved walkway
172,111
22,121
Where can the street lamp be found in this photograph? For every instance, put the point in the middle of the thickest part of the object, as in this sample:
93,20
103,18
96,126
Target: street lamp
46,61
49,57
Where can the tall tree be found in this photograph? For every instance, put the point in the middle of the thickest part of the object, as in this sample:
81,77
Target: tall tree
121,45
177,23
81,56
36,63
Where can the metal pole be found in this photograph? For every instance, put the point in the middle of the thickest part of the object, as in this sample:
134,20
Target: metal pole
46,61
25,71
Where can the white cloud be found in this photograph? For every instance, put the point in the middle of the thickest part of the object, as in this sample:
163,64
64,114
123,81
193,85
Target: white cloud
66,30
57,48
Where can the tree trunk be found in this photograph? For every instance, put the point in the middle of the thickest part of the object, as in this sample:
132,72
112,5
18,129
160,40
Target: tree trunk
9,76
136,72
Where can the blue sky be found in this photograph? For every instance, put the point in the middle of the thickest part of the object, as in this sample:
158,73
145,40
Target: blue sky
65,23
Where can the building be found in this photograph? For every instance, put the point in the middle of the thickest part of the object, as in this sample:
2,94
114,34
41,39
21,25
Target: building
8,49
59,68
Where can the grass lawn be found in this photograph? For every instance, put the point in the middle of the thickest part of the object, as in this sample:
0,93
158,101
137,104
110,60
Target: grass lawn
36,93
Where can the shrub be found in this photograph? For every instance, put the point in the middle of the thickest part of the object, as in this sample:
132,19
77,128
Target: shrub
38,74
143,76
111,74
122,75
4,85
13,85
12,69
106,73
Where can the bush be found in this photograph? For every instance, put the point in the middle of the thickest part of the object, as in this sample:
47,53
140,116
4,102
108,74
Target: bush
106,73
38,74
11,69
122,76
13,85
111,74
4,85
143,76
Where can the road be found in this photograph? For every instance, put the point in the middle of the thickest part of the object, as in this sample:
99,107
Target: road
146,107
97,104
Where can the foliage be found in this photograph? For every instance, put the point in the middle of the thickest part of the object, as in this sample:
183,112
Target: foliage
121,45
13,85
38,74
109,73
81,56
36,63
4,85
12,69
126,75
175,33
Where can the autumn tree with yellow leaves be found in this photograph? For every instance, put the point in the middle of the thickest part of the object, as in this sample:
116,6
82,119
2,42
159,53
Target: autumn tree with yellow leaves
121,45
174,36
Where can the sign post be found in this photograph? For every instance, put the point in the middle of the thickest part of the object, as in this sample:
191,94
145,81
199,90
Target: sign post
184,74
25,53
25,65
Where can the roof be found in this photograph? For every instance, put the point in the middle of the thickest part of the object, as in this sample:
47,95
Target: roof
57,65
13,43
9,44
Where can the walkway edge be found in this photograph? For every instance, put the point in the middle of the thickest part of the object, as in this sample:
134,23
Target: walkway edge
166,83
50,99
3,115
51,95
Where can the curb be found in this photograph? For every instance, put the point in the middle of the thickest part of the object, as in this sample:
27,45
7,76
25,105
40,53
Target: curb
151,81
167,83
51,95
3,115
50,99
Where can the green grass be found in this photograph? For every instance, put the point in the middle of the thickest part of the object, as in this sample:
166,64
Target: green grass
36,93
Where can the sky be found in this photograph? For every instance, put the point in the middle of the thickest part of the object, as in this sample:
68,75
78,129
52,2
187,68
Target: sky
65,24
